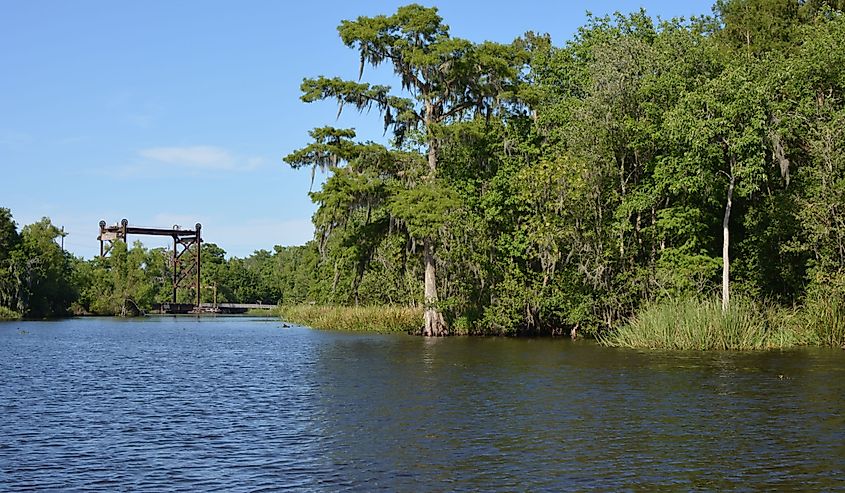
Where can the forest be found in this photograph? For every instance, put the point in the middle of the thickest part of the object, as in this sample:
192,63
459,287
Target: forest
643,171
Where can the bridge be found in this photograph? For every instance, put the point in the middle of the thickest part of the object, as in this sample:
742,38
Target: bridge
224,308
233,307
184,272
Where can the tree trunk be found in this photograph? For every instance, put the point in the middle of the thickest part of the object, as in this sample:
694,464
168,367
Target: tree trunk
435,326
432,158
726,262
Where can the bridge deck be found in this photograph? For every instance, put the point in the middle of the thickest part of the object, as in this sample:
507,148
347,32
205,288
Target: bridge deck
185,308
242,306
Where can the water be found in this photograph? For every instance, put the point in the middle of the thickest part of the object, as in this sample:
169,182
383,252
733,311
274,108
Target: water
245,404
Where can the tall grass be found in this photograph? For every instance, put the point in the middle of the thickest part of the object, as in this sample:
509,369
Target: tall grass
825,317
8,314
700,324
383,319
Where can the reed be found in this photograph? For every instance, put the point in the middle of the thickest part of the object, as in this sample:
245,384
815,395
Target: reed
382,319
8,314
700,324
825,317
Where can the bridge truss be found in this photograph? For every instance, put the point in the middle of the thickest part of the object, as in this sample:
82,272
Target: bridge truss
184,273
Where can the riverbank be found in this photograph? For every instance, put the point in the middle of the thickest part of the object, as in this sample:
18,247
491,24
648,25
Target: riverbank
381,319
694,324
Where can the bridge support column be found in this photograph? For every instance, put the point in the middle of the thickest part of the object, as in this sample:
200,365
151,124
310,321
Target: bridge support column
181,276
198,241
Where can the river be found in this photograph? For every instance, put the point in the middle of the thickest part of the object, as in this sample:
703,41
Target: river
247,404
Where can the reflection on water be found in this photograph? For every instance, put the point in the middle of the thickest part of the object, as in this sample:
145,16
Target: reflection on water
244,404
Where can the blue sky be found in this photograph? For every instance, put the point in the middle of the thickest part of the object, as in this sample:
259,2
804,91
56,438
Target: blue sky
177,112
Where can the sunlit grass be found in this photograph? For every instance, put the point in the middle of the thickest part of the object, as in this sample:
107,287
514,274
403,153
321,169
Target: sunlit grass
383,319
8,314
825,317
700,324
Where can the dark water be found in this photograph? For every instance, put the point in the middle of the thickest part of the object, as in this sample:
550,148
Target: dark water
237,404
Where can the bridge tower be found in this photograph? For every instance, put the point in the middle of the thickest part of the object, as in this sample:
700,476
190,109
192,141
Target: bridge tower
184,240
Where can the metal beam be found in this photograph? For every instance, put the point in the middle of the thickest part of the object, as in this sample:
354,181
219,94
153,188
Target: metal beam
187,238
135,230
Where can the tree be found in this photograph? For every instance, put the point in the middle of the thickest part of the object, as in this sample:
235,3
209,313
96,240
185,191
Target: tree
722,128
758,26
9,242
446,79
42,271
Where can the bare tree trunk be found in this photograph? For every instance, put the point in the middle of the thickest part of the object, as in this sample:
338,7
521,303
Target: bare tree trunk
726,263
435,326
432,158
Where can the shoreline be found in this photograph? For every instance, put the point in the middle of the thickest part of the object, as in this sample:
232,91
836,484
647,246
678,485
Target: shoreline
680,325
685,325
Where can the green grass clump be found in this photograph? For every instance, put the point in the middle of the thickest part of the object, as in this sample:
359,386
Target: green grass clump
700,324
383,319
825,317
8,314
257,312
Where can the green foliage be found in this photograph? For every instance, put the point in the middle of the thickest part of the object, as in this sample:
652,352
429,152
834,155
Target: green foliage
127,282
758,26
35,274
542,187
450,81
569,186
423,209
826,318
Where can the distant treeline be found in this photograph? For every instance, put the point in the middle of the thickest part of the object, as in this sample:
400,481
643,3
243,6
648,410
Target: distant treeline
38,279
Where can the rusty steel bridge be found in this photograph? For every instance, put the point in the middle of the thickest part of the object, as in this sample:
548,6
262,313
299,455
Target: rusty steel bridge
185,264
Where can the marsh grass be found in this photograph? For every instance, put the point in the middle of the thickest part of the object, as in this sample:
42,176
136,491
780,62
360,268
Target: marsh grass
383,319
255,312
699,324
8,314
824,316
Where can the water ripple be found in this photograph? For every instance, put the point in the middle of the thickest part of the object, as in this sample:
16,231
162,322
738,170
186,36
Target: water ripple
229,404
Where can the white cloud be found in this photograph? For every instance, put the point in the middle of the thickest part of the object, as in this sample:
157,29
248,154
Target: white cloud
201,157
